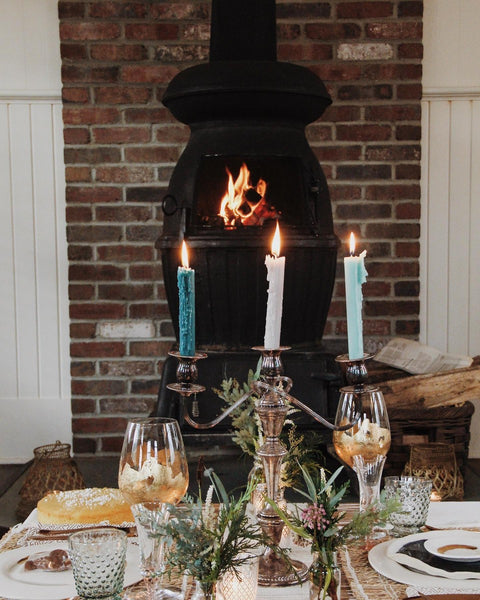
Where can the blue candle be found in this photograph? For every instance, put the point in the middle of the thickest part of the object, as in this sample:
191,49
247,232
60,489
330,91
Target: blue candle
186,296
355,276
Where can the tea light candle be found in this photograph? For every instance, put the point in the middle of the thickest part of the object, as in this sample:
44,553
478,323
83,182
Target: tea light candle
275,275
355,276
186,296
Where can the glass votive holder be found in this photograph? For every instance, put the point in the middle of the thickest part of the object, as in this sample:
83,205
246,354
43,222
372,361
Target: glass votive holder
98,562
243,584
413,494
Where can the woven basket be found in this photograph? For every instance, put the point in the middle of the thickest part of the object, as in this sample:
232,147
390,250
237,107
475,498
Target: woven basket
437,461
52,469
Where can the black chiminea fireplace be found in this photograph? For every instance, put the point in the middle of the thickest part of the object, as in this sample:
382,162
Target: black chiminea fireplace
246,165
247,114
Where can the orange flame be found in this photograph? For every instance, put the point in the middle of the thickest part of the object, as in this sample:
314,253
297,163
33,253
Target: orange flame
352,244
276,242
235,206
184,255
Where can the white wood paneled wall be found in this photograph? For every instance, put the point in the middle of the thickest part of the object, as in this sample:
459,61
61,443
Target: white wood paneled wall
450,222
34,344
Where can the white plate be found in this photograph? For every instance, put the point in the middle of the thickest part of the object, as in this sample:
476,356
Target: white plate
448,544
386,566
16,582
454,515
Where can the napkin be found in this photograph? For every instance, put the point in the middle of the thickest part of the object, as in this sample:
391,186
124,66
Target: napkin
414,555
443,594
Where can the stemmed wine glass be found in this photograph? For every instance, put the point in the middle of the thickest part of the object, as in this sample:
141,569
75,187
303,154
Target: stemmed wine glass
364,446
153,471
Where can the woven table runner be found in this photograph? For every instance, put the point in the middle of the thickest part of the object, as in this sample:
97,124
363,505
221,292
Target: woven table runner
363,581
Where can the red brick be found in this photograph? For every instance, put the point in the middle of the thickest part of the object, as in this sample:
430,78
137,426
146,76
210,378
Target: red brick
377,308
92,156
408,132
118,52
410,51
76,135
93,194
78,214
393,230
122,95
82,330
116,405
407,171
78,174
410,8
319,133
179,10
154,349
86,387
407,288
411,327
151,310
146,272
69,10
78,95
73,74
344,72
151,31
148,73
338,153
400,30
84,445
112,444
94,272
97,349
363,211
123,213
73,51
129,10
145,115
81,292
89,31
83,406
344,192
79,252
407,210
131,368
332,31
152,154
193,32
300,52
288,31
365,92
104,310
93,233
121,135
99,425
141,233
376,327
393,71
125,292
172,133
145,194
302,10
407,249
409,91
366,171
393,192
393,269
364,10
90,116
395,152
129,174
364,132
125,253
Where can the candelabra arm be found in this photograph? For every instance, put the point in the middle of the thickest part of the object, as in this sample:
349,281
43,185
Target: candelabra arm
221,416
286,396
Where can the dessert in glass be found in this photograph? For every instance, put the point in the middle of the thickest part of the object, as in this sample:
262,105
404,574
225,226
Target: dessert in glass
153,472
364,446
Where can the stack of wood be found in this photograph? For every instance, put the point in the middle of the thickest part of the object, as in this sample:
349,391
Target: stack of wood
431,390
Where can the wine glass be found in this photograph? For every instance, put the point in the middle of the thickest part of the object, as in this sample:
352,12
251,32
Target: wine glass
364,446
153,471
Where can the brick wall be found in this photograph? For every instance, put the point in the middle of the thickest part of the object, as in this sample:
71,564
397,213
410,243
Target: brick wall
121,145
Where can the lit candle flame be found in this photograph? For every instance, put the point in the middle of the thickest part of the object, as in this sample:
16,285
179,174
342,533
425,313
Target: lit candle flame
276,242
184,255
352,244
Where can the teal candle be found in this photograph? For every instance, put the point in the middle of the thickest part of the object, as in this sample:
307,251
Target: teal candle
186,314
355,276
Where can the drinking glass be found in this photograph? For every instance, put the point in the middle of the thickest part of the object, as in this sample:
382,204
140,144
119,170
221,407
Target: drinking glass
98,562
364,446
414,496
153,471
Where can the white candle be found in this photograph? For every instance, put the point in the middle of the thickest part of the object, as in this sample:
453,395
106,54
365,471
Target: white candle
275,274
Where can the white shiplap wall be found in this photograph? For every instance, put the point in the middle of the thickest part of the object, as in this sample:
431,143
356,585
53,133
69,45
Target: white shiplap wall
34,363
450,244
